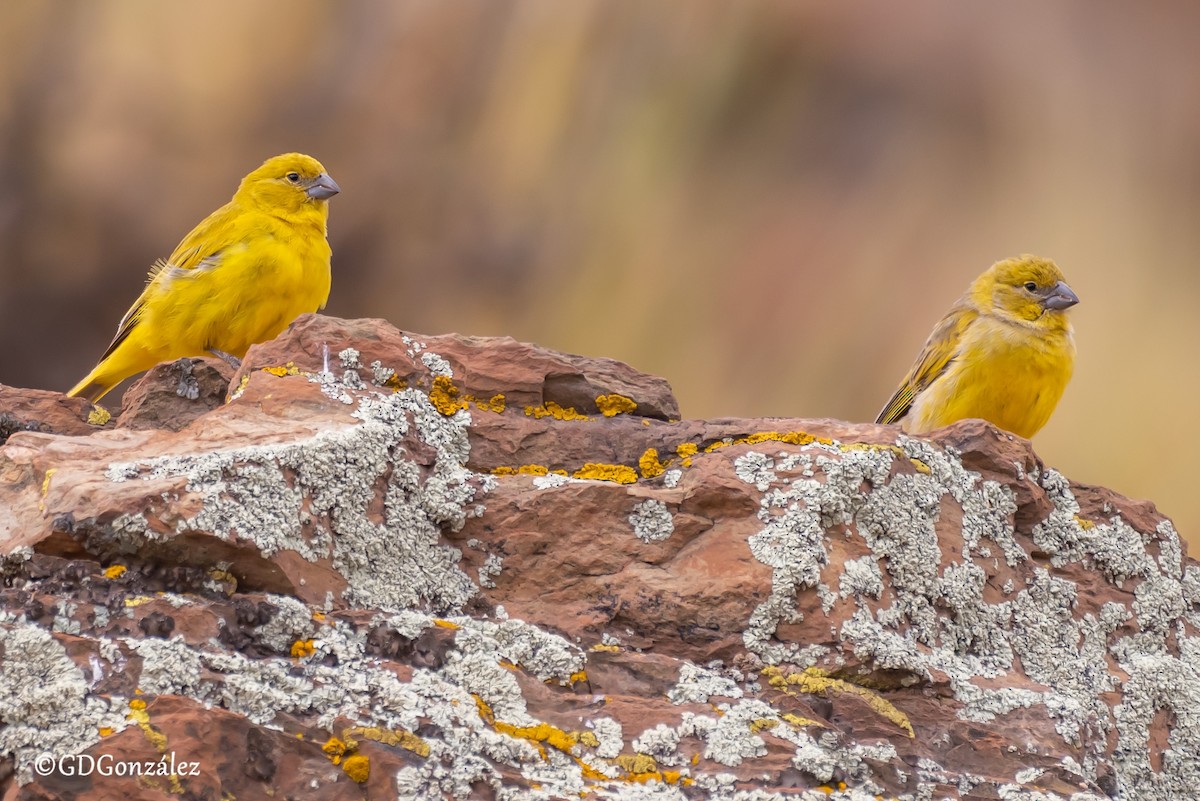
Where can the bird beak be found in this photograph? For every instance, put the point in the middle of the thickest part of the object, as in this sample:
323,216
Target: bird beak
323,187
1060,297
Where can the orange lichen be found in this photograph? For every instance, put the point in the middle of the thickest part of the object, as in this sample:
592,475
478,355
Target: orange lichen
282,370
335,749
114,571
446,624
496,403
357,767
398,737
526,470
813,681
105,731
650,465
644,768
685,452
619,473
614,404
787,437
444,396
552,409
139,715
302,649
541,735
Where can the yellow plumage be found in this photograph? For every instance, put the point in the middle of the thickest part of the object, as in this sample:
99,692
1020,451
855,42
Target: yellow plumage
240,277
1004,353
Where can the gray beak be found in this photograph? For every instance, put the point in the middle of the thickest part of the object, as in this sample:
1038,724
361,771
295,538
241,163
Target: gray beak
1060,297
323,187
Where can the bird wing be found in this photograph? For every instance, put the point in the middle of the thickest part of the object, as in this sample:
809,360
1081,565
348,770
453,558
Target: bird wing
939,353
200,249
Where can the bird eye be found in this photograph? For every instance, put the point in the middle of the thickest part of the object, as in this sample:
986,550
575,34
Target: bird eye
1030,286
295,176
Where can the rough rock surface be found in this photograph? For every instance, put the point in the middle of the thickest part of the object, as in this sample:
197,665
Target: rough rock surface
395,566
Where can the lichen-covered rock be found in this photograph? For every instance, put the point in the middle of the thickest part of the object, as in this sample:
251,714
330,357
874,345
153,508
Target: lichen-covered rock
450,567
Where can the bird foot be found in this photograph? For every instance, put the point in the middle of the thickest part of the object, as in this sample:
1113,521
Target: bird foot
233,361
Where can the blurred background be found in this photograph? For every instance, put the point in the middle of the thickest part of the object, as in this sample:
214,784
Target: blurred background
768,203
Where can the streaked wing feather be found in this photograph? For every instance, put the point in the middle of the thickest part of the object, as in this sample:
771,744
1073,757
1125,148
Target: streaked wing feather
936,357
200,249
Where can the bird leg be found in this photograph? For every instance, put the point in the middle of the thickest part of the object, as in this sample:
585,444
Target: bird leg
233,361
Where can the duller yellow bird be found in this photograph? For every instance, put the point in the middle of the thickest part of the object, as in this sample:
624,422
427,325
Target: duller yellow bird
1004,353
240,277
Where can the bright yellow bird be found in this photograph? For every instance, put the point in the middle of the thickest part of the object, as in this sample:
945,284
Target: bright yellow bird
240,277
1004,353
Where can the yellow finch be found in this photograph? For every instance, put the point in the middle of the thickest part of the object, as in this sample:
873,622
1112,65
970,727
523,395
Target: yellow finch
1004,353
240,277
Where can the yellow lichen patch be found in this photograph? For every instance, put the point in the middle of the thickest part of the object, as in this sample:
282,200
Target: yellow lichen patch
575,678
225,577
619,473
139,715
614,404
814,681
650,465
540,735
444,396
397,737
636,763
526,470
761,724
302,649
105,731
282,370
46,488
643,768
1084,524
552,409
319,617
496,403
799,722
138,601
787,437
446,624
114,571
357,767
335,749
98,416
685,452
612,649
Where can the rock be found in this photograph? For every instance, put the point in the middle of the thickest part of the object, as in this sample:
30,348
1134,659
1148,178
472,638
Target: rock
174,394
48,412
473,568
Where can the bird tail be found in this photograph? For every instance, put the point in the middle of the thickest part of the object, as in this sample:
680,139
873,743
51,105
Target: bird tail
94,387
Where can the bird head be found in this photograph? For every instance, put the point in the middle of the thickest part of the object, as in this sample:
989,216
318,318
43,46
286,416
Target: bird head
288,184
1027,290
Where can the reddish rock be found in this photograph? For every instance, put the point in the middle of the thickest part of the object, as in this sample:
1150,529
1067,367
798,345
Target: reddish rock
41,410
174,394
382,579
